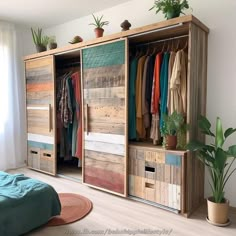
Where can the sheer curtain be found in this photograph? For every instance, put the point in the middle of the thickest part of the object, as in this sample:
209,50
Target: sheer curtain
12,108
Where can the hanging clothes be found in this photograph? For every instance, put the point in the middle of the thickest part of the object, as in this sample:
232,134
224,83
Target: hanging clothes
77,91
164,87
170,68
145,111
139,117
155,132
178,84
149,81
132,105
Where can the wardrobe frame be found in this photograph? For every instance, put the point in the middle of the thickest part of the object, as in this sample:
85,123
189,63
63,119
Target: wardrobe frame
196,78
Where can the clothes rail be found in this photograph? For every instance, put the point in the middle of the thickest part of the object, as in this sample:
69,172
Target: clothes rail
161,40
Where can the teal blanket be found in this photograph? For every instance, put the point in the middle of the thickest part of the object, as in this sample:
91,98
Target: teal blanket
25,204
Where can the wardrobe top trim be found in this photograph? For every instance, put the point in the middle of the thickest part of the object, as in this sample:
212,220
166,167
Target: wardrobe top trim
122,34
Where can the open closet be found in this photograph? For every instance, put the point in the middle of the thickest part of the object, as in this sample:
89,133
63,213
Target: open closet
127,82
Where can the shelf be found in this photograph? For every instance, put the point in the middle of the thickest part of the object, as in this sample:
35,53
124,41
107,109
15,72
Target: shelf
150,146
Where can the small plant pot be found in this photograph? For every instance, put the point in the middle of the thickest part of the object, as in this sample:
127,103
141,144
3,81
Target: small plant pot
52,45
217,212
40,48
170,142
172,14
98,32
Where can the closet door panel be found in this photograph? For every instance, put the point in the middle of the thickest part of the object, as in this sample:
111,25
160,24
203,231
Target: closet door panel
40,111
104,101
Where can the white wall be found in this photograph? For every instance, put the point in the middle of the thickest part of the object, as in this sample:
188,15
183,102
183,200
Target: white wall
219,16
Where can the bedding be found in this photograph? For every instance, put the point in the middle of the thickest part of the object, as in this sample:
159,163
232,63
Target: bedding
25,204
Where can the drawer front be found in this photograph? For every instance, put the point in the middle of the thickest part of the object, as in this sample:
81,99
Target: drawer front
41,157
156,176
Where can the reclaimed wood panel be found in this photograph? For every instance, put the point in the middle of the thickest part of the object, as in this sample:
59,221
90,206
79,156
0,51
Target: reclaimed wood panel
104,160
40,94
110,76
118,149
97,93
197,78
106,179
40,138
105,138
105,102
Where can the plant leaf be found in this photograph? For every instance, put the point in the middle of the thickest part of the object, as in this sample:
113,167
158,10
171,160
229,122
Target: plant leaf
232,151
220,159
228,132
219,139
195,145
205,125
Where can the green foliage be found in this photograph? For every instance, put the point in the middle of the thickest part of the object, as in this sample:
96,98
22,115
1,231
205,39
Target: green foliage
38,38
218,160
98,22
173,7
173,124
52,39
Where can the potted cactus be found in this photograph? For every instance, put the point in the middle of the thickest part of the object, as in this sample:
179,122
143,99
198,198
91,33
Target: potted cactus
40,41
98,23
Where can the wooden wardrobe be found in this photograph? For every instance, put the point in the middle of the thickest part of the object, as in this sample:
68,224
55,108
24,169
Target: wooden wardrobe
173,180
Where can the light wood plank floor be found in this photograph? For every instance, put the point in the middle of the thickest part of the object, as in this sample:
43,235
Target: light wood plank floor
115,213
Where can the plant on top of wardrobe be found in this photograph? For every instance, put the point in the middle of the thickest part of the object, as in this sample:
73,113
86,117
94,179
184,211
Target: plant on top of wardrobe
52,44
40,41
170,8
98,23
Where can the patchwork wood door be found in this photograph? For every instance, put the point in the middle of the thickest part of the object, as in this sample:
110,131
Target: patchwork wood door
104,76
40,93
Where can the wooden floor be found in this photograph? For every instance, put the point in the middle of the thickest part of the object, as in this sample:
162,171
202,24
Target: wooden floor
112,213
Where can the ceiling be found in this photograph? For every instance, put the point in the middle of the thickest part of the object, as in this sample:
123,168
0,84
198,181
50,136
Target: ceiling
46,13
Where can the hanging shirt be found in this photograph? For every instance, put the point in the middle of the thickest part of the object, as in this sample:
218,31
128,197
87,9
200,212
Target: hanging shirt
178,84
170,68
164,87
139,117
77,90
149,81
155,131
145,111
132,105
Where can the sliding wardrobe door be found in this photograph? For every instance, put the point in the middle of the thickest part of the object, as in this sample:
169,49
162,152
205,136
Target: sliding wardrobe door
104,76
40,96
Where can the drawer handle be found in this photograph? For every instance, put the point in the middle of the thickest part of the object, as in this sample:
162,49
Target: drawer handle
47,155
49,118
33,152
149,185
150,169
87,119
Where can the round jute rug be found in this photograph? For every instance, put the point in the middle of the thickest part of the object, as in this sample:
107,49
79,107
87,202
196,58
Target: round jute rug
73,207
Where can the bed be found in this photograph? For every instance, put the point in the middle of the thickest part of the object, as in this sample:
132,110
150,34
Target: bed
25,204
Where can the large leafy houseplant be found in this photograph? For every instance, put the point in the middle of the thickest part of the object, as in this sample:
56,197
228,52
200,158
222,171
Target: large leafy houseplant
170,8
219,160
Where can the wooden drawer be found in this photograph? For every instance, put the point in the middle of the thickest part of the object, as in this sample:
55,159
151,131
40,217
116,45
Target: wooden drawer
47,161
156,175
34,157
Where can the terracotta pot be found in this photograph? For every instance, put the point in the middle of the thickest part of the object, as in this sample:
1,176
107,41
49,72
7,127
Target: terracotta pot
98,32
217,212
40,48
171,142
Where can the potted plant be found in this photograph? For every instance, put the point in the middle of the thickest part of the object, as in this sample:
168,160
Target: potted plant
219,162
40,41
172,126
52,44
170,8
99,24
